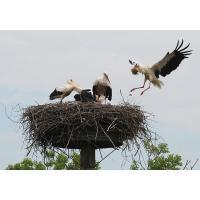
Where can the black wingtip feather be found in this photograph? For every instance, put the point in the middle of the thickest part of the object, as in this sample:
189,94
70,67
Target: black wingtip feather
187,54
177,56
180,45
177,44
185,47
189,51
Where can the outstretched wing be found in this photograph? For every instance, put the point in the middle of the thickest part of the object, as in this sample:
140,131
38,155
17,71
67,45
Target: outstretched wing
171,60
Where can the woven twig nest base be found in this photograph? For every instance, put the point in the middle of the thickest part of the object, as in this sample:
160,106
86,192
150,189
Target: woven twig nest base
74,125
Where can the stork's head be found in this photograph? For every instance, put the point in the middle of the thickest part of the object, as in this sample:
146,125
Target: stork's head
70,81
135,68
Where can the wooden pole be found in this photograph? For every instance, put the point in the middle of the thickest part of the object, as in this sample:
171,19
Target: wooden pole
88,157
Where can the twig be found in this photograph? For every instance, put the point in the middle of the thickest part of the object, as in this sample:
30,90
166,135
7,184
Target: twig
108,137
186,164
111,124
194,164
122,96
107,155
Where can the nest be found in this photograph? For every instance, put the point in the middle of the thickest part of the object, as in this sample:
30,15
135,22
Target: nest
74,125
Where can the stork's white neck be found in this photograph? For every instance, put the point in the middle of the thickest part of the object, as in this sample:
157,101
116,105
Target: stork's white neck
78,89
140,69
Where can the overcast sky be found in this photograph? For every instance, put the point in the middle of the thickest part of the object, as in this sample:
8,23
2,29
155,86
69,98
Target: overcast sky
33,63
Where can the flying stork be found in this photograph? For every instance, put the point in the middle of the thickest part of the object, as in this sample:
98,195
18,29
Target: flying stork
102,88
65,90
164,67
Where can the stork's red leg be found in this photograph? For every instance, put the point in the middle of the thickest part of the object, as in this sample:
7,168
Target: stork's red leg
138,87
61,99
97,99
146,89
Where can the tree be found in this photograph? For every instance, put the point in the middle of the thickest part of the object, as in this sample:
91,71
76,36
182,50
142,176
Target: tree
27,164
159,158
52,161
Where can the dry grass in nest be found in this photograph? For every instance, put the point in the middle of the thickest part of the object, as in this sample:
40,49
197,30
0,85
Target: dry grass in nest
75,124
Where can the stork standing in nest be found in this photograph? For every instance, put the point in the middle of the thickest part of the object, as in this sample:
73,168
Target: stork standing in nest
164,67
65,90
84,96
102,88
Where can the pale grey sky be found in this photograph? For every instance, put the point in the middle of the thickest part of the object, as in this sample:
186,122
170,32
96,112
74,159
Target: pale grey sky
33,63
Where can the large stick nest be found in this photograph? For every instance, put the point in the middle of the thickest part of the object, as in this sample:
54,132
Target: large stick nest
74,125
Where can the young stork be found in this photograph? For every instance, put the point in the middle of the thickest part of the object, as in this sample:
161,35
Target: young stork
84,96
164,67
65,90
102,88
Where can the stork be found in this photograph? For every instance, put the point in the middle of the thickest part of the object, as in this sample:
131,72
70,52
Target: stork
65,90
164,67
102,88
84,96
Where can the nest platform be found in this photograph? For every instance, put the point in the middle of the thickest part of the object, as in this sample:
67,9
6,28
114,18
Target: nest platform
75,125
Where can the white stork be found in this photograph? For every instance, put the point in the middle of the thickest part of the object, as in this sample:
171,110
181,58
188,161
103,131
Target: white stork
164,67
65,90
102,88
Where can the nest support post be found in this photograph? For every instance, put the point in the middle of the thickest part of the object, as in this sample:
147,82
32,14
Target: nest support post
87,157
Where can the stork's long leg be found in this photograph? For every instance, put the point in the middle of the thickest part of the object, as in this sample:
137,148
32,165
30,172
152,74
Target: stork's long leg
146,89
97,98
139,87
61,99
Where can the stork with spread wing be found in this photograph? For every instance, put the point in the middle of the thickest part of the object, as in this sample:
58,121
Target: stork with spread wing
65,90
164,67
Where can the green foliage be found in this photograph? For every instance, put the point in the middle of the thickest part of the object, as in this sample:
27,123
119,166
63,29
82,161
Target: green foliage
75,162
172,162
60,162
158,158
27,164
134,165
52,161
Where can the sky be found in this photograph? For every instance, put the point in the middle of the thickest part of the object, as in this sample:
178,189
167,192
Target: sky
33,63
